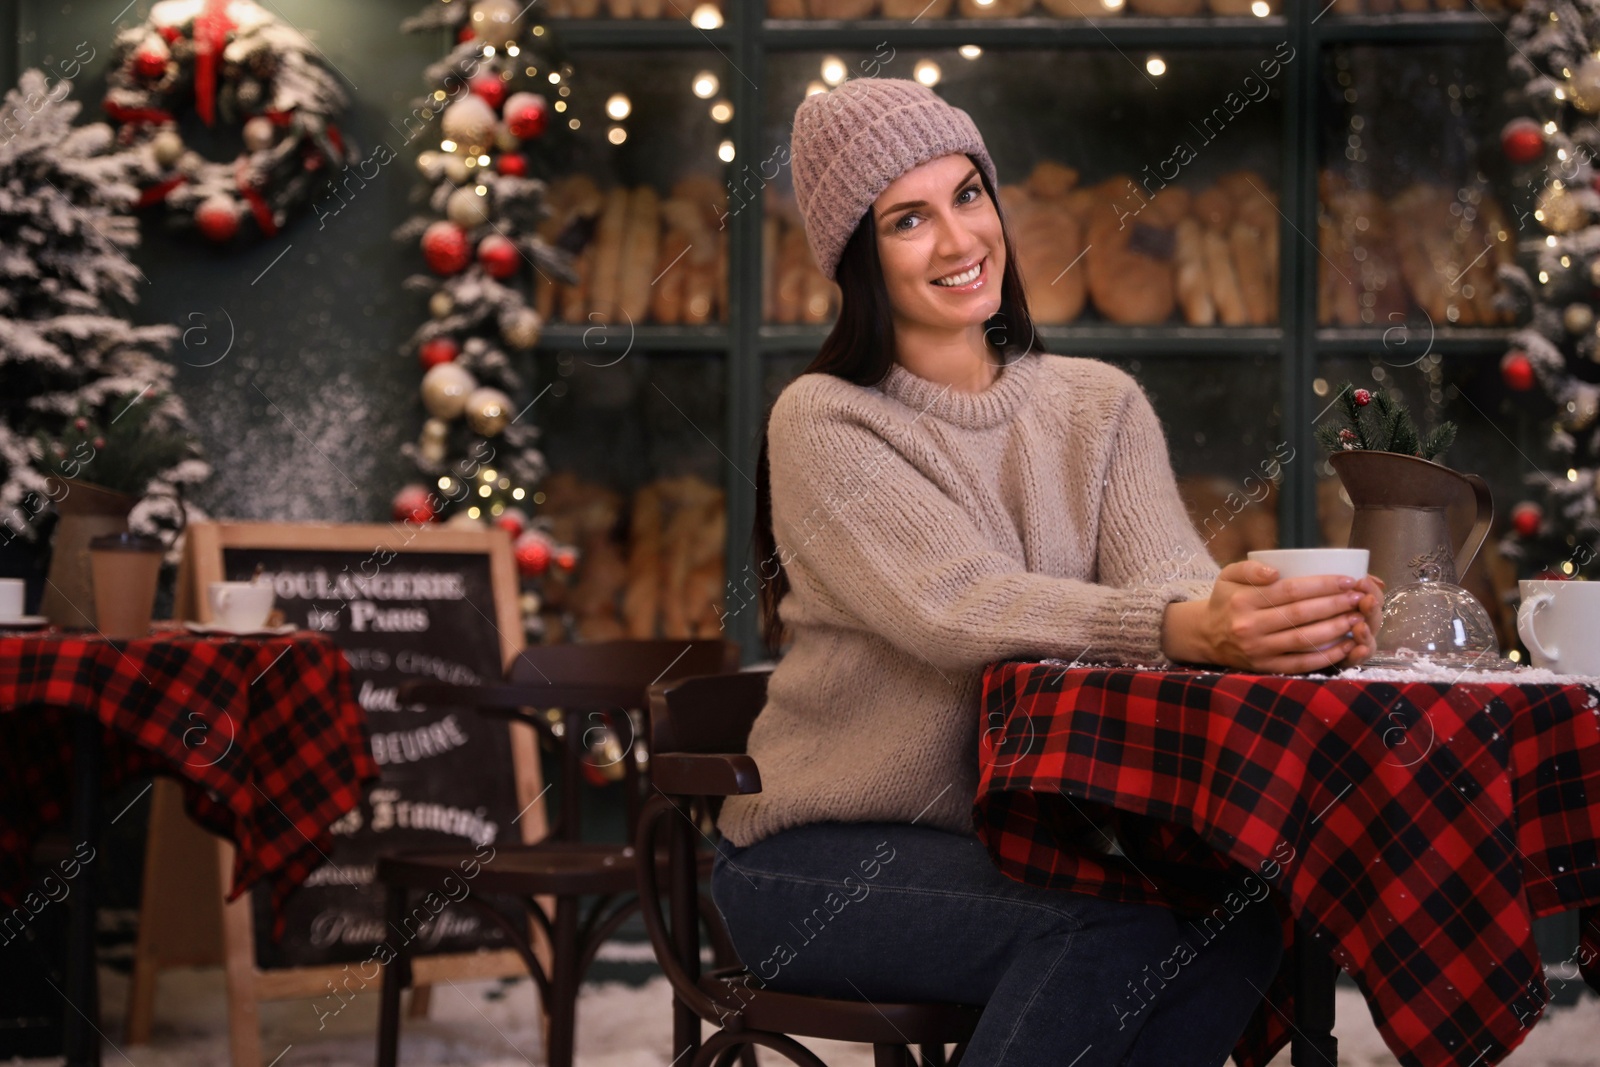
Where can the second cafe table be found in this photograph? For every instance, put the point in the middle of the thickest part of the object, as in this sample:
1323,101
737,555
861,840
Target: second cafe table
1414,828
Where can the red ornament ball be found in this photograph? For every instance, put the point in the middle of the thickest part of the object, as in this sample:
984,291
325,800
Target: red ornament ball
515,165
437,351
217,217
413,503
526,115
444,246
532,550
465,34
151,61
170,33
1522,141
513,522
491,88
1526,517
566,558
1516,370
1362,398
499,256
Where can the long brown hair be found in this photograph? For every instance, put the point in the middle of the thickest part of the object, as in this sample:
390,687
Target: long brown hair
860,349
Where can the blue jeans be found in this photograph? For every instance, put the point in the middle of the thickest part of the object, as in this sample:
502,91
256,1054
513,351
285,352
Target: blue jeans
896,912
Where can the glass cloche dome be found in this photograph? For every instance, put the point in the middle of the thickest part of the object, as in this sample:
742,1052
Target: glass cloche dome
1438,621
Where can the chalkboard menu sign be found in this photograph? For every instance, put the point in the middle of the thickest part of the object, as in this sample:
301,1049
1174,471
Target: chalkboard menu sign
401,605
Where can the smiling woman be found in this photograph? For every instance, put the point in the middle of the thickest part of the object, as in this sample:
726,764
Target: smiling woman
938,494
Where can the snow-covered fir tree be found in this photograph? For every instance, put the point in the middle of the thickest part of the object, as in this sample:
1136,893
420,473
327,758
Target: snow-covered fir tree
77,378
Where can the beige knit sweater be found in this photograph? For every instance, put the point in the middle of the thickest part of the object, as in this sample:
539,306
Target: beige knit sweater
928,531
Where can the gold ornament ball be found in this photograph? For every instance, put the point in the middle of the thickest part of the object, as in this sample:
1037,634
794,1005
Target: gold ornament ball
455,168
430,164
431,451
466,208
441,304
496,20
445,389
488,411
1581,410
1578,318
530,603
167,146
1559,211
1584,86
520,327
435,430
259,133
469,122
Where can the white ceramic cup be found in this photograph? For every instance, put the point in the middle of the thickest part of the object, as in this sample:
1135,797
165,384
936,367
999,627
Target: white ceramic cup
1305,562
240,605
1560,624
11,598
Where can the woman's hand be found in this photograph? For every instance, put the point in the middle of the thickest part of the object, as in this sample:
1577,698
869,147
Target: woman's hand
1256,621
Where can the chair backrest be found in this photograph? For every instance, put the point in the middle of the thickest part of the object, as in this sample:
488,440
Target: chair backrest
707,714
634,664
625,670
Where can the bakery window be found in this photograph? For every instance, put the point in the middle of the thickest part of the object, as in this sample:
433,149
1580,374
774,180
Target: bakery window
633,440
639,195
703,14
1412,230
1140,190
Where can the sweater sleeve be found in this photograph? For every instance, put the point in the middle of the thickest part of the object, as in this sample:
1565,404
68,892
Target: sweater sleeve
887,547
1146,537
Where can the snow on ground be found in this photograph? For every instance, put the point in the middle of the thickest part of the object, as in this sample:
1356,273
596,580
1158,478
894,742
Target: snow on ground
492,1024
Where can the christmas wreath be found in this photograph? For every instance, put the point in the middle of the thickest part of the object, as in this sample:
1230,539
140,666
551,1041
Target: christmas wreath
231,61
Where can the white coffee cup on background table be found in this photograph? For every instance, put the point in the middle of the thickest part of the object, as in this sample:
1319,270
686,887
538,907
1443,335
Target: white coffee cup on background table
1560,624
240,605
11,592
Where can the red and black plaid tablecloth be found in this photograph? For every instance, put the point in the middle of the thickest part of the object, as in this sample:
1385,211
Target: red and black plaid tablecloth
264,734
1414,828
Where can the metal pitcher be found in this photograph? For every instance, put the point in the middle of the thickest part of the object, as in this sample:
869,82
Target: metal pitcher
1417,518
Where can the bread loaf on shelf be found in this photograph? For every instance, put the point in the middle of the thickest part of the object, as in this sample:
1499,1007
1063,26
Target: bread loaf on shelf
1131,250
1168,8
1049,243
999,9
1193,286
1081,9
843,9
640,244
675,581
917,9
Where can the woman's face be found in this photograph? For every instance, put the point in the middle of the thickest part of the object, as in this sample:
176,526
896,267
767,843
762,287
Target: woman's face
935,225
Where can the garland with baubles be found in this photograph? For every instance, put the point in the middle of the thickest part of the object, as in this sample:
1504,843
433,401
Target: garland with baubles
228,61
480,242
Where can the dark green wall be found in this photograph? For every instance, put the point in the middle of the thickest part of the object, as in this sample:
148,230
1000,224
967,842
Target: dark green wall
304,416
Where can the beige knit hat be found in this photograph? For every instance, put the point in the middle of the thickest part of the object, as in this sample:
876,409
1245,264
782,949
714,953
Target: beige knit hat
851,142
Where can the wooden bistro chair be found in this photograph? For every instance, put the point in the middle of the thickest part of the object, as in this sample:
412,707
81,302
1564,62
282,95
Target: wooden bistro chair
580,680
697,756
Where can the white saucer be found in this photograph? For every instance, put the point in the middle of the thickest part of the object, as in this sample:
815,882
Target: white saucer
29,622
223,631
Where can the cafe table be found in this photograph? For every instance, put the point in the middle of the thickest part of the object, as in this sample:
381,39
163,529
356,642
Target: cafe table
262,732
1411,826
